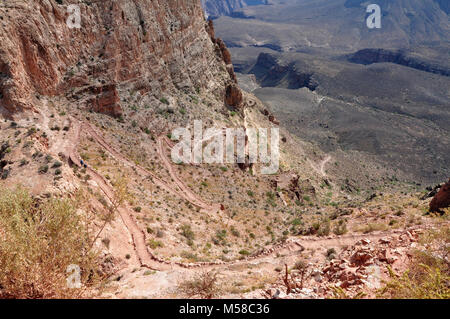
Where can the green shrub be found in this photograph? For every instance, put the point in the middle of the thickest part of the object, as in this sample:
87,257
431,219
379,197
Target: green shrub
432,284
43,169
244,252
428,275
187,232
23,162
56,164
154,244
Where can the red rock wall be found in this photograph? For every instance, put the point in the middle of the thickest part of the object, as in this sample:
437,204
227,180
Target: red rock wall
150,46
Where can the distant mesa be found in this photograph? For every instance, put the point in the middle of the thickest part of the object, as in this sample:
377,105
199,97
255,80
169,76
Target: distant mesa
371,56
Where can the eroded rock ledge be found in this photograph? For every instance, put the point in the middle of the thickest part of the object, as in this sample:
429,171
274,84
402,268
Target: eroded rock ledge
145,46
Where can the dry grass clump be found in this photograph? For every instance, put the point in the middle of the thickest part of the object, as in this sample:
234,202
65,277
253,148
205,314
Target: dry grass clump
371,227
38,241
428,276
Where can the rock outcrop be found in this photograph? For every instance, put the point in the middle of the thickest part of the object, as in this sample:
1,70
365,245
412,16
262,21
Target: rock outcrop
221,50
106,101
233,96
441,199
146,46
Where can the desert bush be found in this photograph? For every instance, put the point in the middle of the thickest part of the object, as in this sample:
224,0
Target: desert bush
340,293
235,232
331,253
324,228
43,169
340,228
431,284
57,164
302,267
204,285
137,209
187,232
244,252
371,227
4,174
23,162
155,244
38,241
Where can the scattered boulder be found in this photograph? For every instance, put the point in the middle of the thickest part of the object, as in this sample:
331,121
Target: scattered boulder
361,257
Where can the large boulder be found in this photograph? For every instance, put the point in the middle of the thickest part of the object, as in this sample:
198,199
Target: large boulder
441,199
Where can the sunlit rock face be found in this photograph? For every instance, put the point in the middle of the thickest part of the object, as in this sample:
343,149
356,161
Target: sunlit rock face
146,46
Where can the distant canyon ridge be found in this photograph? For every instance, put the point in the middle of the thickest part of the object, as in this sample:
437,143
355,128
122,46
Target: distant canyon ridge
216,8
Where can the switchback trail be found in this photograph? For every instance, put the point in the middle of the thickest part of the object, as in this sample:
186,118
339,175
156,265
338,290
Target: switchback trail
146,259
322,165
188,194
293,245
185,192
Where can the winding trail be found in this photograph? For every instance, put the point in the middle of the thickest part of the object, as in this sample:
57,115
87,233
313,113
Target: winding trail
322,165
292,245
185,193
188,194
145,257
320,169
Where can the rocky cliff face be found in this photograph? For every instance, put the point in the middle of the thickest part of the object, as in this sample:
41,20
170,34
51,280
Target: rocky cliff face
143,46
